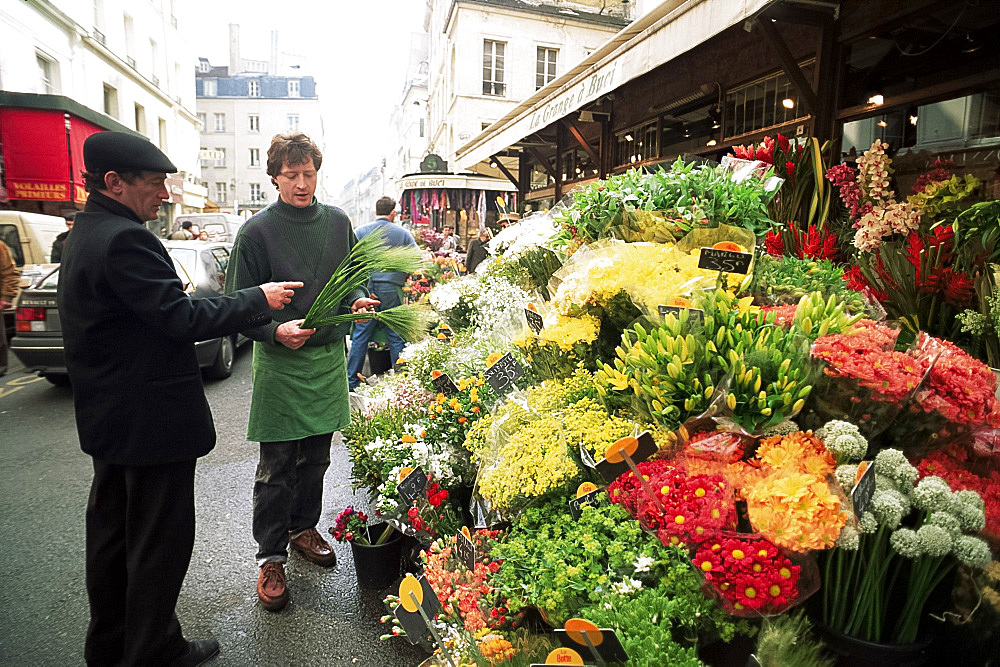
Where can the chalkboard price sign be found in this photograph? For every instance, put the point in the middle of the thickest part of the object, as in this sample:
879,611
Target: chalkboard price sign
576,504
861,494
412,486
694,314
504,373
443,384
465,550
535,321
729,261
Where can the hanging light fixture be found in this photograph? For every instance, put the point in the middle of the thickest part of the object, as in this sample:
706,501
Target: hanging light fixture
788,103
877,99
711,142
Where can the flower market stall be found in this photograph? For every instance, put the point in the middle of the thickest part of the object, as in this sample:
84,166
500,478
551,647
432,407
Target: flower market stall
673,420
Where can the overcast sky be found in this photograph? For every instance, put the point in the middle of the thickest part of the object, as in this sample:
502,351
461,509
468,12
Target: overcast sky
358,51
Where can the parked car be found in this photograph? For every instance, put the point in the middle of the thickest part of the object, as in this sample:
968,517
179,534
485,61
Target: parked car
219,226
37,342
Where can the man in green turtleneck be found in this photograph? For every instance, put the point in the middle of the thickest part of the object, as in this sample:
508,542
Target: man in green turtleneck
300,395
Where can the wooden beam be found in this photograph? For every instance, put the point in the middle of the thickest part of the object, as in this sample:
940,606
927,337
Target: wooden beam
504,170
935,93
542,160
575,131
789,65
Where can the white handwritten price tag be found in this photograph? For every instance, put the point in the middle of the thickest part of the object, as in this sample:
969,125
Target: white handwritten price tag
504,373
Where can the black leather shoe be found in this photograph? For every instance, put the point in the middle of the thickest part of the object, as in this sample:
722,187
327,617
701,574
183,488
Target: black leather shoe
198,653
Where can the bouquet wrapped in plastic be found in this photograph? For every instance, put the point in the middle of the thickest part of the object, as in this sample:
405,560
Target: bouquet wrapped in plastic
865,380
562,345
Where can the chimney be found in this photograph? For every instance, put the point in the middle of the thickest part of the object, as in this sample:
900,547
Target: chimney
273,66
234,49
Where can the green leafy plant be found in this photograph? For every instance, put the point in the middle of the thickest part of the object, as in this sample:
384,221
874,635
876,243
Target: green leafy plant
787,641
787,279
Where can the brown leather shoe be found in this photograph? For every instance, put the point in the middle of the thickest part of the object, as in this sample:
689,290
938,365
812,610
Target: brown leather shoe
271,589
314,548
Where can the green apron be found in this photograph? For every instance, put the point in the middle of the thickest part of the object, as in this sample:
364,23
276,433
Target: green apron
298,393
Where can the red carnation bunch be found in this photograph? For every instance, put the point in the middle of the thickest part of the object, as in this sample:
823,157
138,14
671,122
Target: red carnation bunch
694,506
748,575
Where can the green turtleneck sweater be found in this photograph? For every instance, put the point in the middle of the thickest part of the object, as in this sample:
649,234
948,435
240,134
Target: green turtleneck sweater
286,243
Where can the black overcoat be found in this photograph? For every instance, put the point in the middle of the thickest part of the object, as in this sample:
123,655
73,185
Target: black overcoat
129,331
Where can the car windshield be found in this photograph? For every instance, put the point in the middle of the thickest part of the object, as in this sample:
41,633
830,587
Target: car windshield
185,262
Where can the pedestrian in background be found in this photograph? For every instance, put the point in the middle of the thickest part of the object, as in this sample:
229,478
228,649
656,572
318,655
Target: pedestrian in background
129,332
450,243
184,233
10,280
477,250
386,287
57,246
300,395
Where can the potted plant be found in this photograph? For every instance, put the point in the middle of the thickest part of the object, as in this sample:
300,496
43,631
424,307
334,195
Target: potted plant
376,548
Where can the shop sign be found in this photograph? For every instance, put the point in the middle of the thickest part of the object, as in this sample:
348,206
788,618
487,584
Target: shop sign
597,84
38,191
175,186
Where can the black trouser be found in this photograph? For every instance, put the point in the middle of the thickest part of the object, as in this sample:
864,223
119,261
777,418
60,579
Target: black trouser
288,492
140,535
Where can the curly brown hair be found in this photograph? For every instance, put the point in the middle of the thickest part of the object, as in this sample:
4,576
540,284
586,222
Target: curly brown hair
293,148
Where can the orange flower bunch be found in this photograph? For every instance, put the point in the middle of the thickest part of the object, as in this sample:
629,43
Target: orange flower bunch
788,498
496,649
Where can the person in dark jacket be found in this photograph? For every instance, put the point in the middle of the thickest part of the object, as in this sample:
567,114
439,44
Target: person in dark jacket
129,331
60,241
477,251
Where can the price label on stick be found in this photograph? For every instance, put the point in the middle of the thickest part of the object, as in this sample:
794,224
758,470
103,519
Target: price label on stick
443,384
417,605
412,485
465,549
535,321
586,494
730,261
504,373
694,314
638,449
602,644
861,494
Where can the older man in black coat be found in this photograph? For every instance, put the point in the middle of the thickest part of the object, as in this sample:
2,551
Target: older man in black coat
129,331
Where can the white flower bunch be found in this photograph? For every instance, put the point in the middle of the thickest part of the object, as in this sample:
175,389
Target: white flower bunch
497,303
843,440
626,586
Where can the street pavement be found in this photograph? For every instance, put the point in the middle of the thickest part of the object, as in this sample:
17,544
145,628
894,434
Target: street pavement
43,602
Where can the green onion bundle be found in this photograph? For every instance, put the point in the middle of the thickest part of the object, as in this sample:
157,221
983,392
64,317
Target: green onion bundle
369,255
410,322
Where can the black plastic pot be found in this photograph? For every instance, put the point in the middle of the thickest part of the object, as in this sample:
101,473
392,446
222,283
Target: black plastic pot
379,361
860,653
377,565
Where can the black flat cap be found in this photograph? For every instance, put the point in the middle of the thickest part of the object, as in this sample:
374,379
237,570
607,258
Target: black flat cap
120,151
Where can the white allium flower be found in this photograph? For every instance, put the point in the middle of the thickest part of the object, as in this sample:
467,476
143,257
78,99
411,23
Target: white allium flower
843,440
970,497
970,516
972,551
905,542
868,523
846,474
934,540
932,493
946,520
889,507
784,428
849,538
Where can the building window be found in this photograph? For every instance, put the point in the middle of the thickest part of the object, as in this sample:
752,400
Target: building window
47,75
204,157
220,193
254,157
293,122
637,144
203,119
253,122
493,68
140,119
220,122
255,192
162,128
421,127
293,88
253,88
220,157
210,87
764,103
545,66
111,101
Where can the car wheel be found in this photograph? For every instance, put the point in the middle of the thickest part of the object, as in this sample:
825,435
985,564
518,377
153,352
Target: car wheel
222,367
58,379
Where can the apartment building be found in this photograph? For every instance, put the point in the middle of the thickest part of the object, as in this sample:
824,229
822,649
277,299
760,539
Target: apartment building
241,106
69,69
